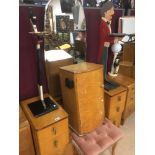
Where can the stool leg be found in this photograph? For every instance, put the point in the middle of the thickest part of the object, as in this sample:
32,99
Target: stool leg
113,149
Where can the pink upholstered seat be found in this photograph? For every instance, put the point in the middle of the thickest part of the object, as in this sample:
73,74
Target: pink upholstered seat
100,139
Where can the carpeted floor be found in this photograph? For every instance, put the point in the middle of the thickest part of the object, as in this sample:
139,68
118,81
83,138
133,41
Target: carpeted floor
126,146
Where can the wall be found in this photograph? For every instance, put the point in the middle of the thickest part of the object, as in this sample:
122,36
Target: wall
27,52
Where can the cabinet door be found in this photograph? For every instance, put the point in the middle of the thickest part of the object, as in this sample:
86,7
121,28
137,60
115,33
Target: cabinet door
90,99
53,139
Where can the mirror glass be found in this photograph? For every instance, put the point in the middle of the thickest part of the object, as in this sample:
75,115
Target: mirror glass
65,19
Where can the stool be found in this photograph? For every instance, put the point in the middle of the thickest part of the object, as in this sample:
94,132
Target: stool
99,140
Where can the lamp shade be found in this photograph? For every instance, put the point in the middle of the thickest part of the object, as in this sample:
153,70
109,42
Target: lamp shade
116,48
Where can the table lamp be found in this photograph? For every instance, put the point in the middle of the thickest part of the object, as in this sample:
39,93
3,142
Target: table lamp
116,49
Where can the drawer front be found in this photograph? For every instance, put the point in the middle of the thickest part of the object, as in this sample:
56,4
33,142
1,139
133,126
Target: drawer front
117,103
115,118
59,128
131,94
52,140
59,145
130,108
116,107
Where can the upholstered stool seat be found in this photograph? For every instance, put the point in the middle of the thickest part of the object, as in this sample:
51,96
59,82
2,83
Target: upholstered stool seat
99,140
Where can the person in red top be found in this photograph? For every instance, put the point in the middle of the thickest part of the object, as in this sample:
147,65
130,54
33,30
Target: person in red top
107,11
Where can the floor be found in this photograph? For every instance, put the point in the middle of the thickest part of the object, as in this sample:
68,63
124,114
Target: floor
126,146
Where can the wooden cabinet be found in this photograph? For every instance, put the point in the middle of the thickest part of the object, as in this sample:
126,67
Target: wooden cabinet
26,146
129,83
82,93
114,104
50,131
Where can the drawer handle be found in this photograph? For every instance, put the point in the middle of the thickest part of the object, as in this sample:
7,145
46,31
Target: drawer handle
131,98
117,109
69,83
55,143
119,98
54,131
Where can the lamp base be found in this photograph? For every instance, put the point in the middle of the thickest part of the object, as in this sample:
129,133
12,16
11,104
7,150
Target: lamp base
38,109
109,85
111,74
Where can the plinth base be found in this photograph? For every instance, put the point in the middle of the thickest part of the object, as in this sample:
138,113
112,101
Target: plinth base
38,109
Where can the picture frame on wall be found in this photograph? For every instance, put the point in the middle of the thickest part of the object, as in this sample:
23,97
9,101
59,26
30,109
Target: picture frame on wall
62,23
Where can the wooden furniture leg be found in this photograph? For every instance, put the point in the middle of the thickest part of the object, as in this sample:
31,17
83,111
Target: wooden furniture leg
113,149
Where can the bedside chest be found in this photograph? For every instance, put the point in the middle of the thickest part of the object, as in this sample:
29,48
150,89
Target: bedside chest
114,104
83,97
50,131
129,83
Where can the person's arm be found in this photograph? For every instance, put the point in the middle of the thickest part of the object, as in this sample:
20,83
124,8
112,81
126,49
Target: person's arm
107,37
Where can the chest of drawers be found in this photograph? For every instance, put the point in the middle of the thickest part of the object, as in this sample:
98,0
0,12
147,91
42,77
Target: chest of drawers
114,104
50,131
129,84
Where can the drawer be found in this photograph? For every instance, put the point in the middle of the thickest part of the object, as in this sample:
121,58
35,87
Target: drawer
115,118
117,102
53,138
54,146
59,145
58,128
130,99
130,108
55,129
132,88
131,94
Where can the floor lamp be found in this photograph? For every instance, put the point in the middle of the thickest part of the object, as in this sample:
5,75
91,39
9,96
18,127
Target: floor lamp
44,105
